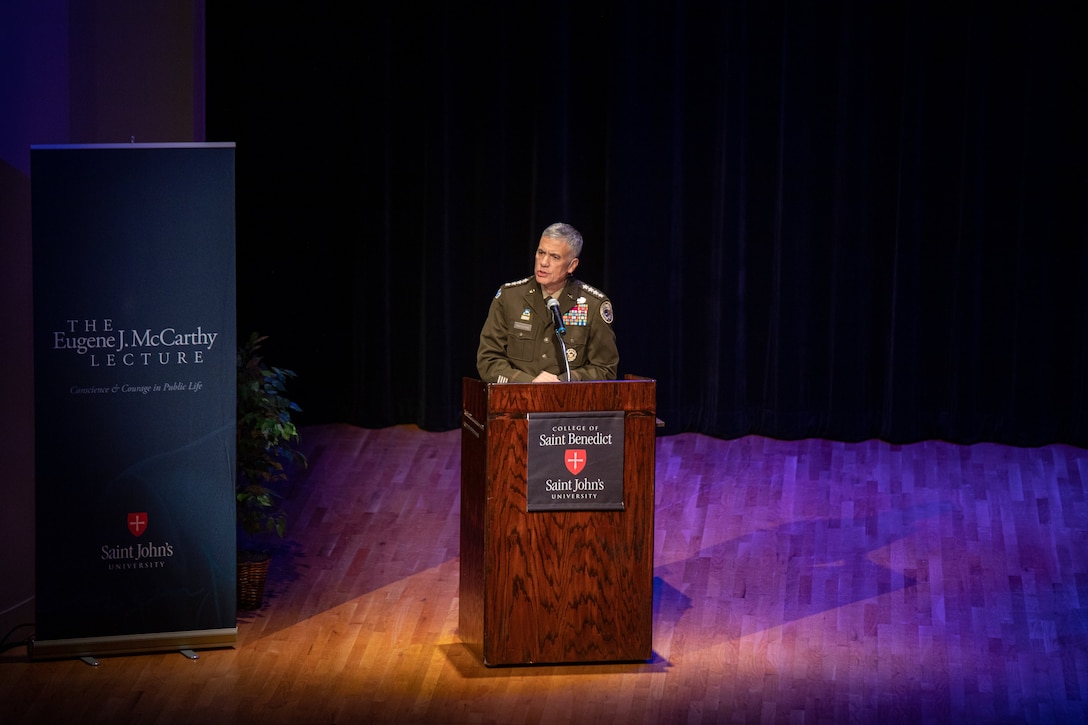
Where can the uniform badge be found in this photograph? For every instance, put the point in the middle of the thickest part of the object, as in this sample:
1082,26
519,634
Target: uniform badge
572,354
525,314
606,312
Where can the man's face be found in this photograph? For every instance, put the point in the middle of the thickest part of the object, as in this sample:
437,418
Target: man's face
554,263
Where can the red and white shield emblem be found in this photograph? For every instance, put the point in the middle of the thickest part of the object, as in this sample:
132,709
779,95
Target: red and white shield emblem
575,459
137,523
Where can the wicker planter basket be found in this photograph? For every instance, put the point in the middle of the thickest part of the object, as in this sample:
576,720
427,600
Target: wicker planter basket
252,575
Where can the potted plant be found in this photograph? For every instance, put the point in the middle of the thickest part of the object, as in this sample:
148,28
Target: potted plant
266,440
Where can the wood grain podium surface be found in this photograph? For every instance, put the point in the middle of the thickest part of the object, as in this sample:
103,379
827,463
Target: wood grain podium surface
548,586
794,582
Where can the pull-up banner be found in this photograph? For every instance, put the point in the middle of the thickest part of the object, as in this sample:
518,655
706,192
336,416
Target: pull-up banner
135,375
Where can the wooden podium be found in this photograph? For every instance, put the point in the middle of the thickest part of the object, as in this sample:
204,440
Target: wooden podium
554,586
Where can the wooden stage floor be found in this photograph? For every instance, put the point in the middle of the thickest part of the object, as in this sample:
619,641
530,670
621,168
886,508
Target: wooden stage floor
795,582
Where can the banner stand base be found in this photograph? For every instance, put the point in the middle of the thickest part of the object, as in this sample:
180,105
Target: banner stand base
188,653
88,648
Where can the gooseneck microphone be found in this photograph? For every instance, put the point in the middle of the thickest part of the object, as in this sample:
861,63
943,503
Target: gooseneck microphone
560,330
553,305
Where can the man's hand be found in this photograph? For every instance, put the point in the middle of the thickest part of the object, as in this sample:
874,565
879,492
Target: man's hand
546,377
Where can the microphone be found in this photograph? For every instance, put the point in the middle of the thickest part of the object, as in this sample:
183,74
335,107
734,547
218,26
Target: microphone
553,305
560,330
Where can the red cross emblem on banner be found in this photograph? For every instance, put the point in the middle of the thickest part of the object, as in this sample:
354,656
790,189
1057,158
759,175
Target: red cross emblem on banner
137,523
575,459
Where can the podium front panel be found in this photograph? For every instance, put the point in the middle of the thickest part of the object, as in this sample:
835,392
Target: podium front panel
554,586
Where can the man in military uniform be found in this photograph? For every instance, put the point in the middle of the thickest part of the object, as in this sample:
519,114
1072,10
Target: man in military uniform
518,343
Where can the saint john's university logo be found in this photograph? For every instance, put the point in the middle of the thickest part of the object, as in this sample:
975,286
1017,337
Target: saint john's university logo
137,523
575,459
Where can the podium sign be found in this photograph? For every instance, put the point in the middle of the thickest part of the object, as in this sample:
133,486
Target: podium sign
575,462
554,585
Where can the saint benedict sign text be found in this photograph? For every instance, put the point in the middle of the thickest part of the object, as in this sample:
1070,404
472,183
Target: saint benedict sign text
575,461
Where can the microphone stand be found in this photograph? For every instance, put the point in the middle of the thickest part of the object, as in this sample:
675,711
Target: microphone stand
563,347
560,328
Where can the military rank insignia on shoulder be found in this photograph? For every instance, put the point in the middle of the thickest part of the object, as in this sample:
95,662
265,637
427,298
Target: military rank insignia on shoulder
516,283
594,291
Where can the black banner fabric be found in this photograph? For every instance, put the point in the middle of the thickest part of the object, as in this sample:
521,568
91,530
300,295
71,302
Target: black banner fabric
135,375
575,462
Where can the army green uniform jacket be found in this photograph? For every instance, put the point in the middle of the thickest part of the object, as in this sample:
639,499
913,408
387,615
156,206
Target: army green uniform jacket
518,340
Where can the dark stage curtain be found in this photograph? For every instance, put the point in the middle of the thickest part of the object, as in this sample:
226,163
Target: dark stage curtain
818,219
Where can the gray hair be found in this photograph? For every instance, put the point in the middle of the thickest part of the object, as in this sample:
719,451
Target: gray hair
568,234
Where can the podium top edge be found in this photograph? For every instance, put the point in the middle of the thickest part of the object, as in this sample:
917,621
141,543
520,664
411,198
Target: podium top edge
178,145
